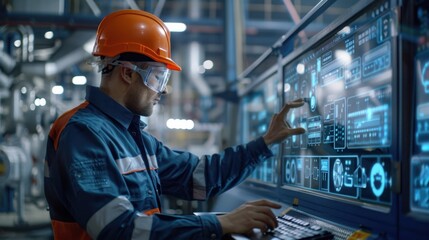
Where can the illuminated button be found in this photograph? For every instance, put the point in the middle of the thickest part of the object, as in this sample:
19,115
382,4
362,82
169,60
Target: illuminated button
316,228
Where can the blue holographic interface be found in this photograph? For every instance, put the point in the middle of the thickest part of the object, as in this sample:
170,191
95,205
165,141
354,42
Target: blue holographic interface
419,170
257,108
347,83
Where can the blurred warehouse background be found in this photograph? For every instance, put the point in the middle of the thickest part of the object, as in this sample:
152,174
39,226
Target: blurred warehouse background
45,47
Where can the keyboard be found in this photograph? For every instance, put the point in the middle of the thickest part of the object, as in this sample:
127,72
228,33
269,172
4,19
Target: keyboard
296,225
295,228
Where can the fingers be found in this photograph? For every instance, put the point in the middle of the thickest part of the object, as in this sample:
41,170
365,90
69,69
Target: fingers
264,218
263,226
251,215
266,203
294,104
296,131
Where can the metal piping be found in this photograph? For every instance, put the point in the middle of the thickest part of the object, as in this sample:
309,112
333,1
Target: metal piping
48,69
72,52
305,21
132,4
159,7
196,55
27,43
7,62
94,8
5,81
295,17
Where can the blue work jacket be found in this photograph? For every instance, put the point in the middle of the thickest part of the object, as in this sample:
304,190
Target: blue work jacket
104,175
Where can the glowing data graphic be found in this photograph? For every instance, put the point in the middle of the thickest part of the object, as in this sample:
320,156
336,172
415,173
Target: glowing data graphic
419,172
348,83
374,179
367,178
420,184
422,103
369,118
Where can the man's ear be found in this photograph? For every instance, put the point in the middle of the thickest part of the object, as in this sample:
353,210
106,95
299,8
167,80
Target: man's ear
126,74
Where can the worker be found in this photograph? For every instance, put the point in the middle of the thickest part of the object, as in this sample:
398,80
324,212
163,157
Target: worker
104,174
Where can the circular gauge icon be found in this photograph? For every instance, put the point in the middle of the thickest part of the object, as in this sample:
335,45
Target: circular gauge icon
288,172
337,174
377,179
292,171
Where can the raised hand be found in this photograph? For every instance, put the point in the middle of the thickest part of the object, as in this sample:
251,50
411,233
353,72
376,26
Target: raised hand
279,128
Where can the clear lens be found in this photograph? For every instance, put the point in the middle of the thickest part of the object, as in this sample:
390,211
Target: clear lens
155,75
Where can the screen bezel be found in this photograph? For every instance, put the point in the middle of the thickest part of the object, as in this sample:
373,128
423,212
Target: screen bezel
412,224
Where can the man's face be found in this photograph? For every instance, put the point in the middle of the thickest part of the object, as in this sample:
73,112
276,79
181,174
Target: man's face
140,99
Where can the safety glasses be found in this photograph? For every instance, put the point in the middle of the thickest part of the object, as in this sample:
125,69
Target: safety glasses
155,75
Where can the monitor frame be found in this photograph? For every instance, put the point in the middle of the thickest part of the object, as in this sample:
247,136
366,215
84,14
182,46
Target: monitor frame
412,224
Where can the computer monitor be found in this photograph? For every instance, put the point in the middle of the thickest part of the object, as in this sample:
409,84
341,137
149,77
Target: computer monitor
341,168
414,217
419,171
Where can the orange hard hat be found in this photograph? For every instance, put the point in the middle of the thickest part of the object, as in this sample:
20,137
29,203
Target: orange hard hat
134,31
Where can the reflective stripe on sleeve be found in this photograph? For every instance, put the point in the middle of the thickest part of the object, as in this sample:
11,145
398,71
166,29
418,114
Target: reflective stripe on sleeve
130,164
153,163
198,176
142,226
107,214
135,164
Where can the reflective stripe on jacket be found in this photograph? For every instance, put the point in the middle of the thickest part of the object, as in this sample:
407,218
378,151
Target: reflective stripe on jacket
104,176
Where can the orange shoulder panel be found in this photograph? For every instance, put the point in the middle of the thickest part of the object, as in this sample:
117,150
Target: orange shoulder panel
61,122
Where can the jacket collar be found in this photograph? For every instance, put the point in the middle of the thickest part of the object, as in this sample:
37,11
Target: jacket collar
110,107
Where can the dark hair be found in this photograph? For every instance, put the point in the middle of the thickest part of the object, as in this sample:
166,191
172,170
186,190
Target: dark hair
134,57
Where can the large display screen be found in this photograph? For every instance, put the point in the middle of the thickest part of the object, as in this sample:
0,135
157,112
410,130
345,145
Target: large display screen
348,83
257,108
419,170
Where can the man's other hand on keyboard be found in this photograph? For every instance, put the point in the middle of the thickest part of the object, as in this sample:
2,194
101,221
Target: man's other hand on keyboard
243,220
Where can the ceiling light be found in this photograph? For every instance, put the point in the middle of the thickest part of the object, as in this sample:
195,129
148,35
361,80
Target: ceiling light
17,43
208,64
79,80
176,26
300,68
57,90
40,102
49,35
186,124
